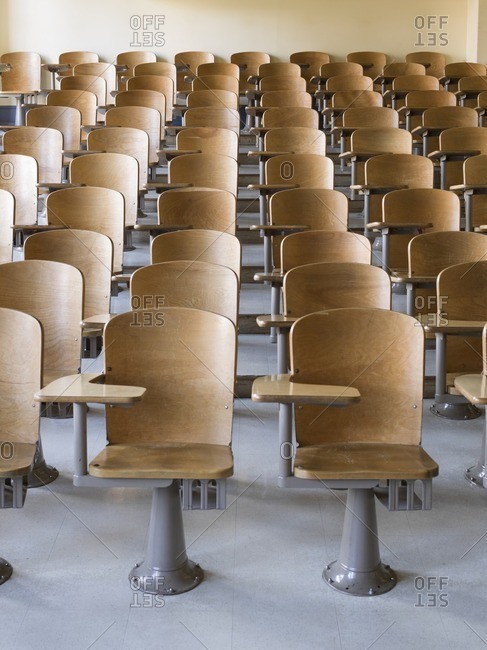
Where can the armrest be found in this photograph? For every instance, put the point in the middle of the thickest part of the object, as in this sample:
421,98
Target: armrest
414,279
464,188
275,277
276,320
266,154
172,153
276,229
58,186
160,227
279,388
436,155
473,387
376,189
438,323
88,387
98,321
275,187
162,187
81,152
387,225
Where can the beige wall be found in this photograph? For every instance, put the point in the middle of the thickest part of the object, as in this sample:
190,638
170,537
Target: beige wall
225,26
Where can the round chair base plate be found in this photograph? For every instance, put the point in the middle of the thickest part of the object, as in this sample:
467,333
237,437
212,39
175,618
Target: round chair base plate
360,583
41,475
166,583
476,475
5,570
455,411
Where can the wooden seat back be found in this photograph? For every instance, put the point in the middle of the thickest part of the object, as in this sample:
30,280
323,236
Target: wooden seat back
376,351
90,208
218,67
310,63
323,246
89,82
371,116
349,82
474,173
139,117
339,68
347,99
430,253
415,82
53,293
216,82
19,176
461,138
295,139
73,58
371,62
212,97
302,169
286,98
279,68
157,83
116,171
43,144
477,84
7,213
147,98
187,366
158,68
290,116
24,75
331,285
208,139
84,100
65,119
125,140
279,82
205,170
248,63
211,246
203,208
132,59
186,283
430,98
224,118
187,64
90,252
105,70
434,62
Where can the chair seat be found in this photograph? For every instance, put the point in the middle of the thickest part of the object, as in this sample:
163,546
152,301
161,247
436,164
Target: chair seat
172,460
21,461
364,461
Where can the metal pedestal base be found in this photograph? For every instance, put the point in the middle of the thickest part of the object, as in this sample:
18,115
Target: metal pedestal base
455,410
41,473
5,570
166,569
476,475
359,570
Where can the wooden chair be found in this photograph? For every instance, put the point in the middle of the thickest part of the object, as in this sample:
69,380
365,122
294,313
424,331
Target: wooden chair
157,83
289,116
7,215
73,58
22,80
147,98
278,68
88,82
417,102
52,293
439,118
397,69
336,69
341,83
310,64
388,172
212,97
96,209
372,62
248,63
139,117
187,64
203,170
456,145
455,71
63,118
84,100
186,283
105,70
359,447
406,212
404,84
20,377
204,139
43,144
18,175
217,116
473,189
218,67
158,442
343,100
434,62
469,89
130,60
275,98
358,117
158,68
216,82
214,246
278,82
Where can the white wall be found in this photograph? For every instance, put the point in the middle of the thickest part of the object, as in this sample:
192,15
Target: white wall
225,26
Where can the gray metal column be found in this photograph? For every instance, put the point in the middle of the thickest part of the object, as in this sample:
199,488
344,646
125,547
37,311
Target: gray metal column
476,474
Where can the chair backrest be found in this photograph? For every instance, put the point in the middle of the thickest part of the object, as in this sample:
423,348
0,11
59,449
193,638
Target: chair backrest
105,70
310,64
7,212
181,385
52,292
400,68
212,97
65,119
371,116
249,63
461,138
123,139
347,99
20,376
158,83
381,140
302,169
461,69
441,208
323,246
450,116
295,139
286,98
211,246
200,207
187,64
19,176
89,82
320,209
430,98
432,252
475,83
205,170
147,98
220,68
331,285
290,116
73,58
45,145
207,139
186,283
279,68
161,68
90,252
399,169
116,171
216,82
349,82
474,173
434,62
380,353
341,68
84,100
371,62
138,117
131,59
24,75
278,82
415,82
224,118
90,208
